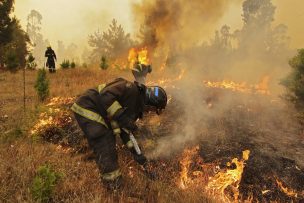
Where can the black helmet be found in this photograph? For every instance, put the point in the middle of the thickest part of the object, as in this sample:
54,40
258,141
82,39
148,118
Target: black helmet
156,97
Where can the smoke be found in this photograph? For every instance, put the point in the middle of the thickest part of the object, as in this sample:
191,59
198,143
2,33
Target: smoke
176,25
71,22
257,50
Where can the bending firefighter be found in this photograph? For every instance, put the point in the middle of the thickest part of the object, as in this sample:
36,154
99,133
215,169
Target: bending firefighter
51,57
110,110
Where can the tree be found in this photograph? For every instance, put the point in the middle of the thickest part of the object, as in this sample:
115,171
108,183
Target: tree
31,64
258,13
6,27
14,53
294,83
258,16
6,22
19,43
33,28
11,61
73,64
104,64
42,85
112,43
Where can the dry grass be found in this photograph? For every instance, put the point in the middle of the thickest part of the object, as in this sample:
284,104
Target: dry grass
21,156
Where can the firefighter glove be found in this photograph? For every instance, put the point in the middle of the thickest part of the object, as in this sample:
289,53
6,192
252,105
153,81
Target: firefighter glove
125,122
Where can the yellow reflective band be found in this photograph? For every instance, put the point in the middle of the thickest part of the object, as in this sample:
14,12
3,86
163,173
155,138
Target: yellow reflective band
101,87
115,127
113,108
114,124
116,131
112,175
88,114
130,144
140,66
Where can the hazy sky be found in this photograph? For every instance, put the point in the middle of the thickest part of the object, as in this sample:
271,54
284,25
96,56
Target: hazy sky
72,21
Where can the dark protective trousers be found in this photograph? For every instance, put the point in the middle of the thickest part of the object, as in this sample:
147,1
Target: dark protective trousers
102,141
51,65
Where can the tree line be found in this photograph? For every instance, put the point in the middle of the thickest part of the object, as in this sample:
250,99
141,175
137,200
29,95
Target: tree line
256,38
13,39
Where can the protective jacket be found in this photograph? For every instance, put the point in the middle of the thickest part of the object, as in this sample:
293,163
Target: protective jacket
104,111
50,54
116,105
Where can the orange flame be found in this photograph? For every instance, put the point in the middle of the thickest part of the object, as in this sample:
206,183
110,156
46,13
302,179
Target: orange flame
231,177
138,56
185,164
47,118
261,88
286,190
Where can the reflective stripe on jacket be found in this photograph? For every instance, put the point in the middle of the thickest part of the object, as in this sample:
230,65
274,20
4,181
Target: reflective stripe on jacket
88,114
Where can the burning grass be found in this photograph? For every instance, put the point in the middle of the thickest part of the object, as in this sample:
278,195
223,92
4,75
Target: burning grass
231,168
216,166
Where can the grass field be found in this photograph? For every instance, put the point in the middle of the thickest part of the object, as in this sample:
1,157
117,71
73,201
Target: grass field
21,155
237,122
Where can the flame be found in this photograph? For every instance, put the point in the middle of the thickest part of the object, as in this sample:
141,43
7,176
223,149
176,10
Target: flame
185,164
286,190
60,101
140,56
48,118
44,121
261,88
231,177
168,82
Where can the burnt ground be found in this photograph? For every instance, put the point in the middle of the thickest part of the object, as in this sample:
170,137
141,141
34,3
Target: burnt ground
257,123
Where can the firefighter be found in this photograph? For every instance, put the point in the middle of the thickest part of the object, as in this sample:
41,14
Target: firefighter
110,110
51,57
140,71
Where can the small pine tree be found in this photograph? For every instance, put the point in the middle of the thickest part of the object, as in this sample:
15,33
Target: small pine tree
84,65
30,63
42,85
104,64
44,183
73,64
65,64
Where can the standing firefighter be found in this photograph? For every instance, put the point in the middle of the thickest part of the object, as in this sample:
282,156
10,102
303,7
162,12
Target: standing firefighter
111,110
51,57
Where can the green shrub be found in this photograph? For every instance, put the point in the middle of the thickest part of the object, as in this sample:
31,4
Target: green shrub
42,85
11,61
84,65
44,183
103,63
294,83
30,63
65,64
73,64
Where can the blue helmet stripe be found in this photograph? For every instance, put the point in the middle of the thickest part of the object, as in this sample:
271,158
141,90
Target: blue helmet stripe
156,91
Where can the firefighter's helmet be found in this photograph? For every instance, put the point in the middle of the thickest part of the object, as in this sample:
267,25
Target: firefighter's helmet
156,97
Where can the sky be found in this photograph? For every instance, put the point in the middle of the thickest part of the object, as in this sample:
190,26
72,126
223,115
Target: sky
72,21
